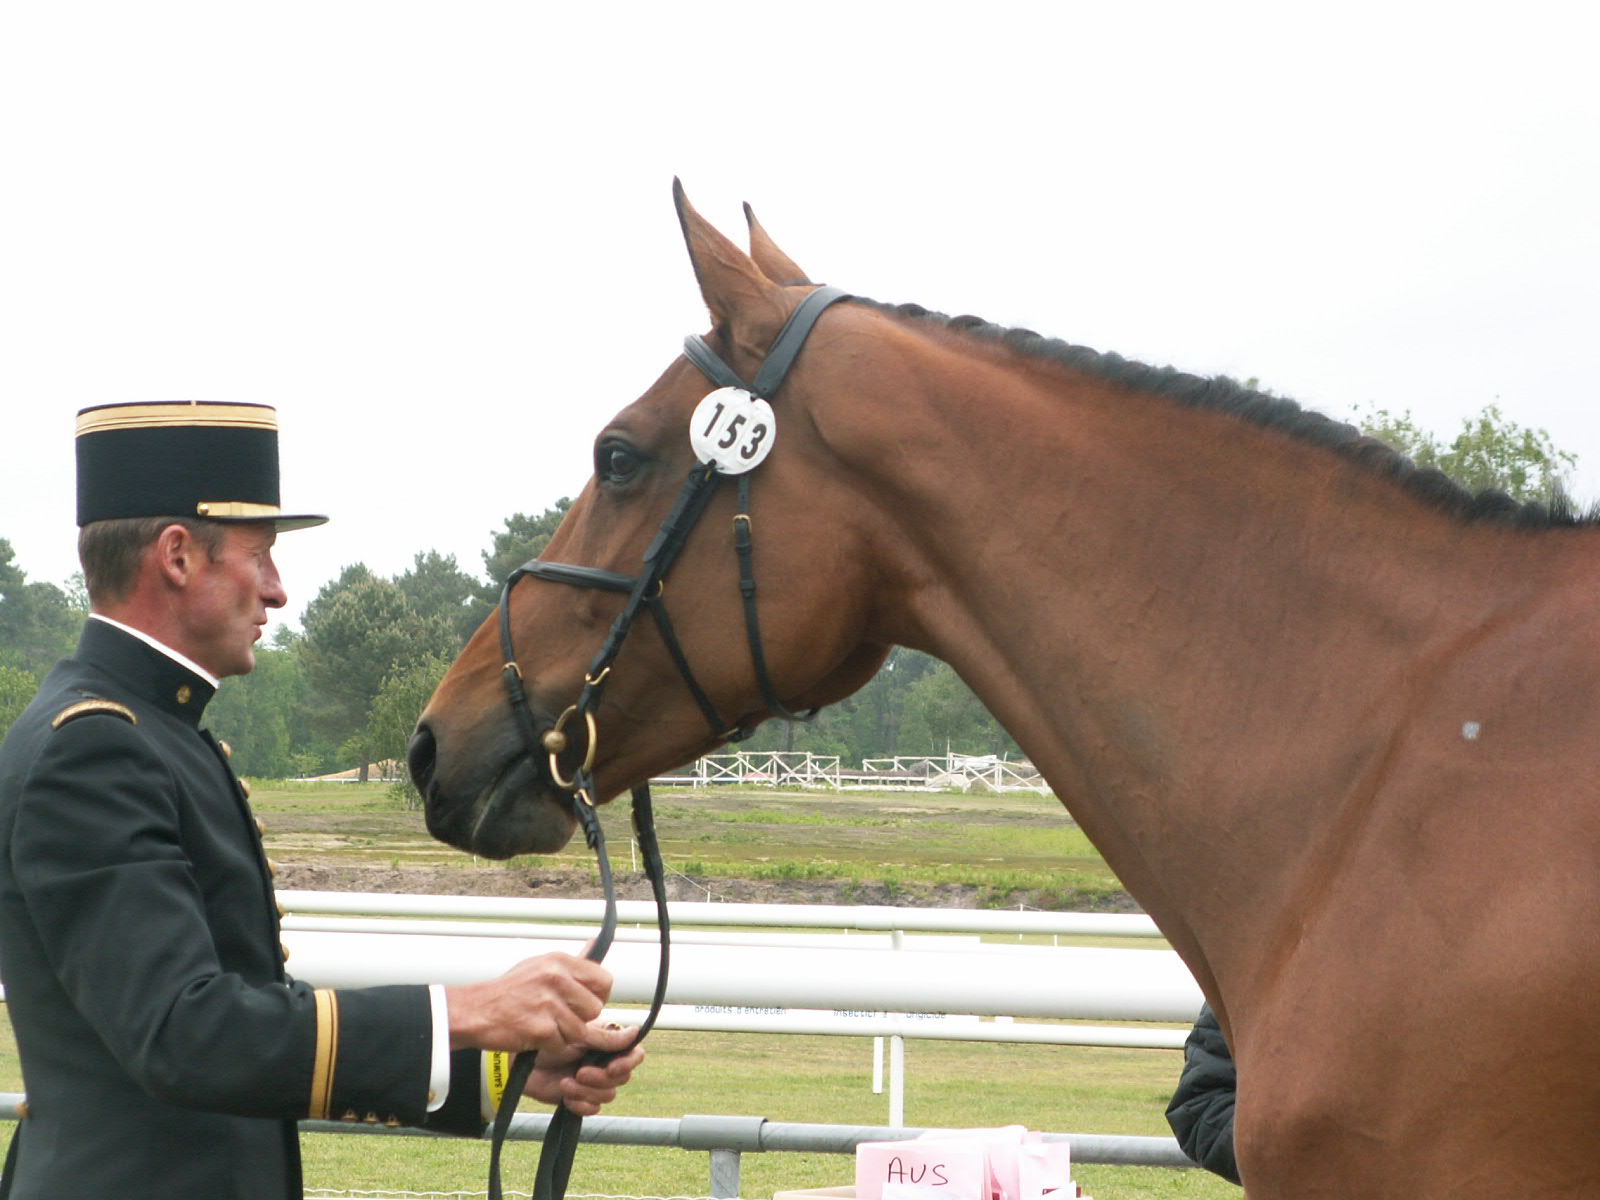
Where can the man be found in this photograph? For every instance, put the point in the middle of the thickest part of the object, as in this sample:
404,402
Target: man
165,1051
1201,1111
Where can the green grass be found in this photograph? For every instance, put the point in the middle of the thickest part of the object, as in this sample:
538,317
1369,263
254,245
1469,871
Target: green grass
1001,844
891,840
800,1079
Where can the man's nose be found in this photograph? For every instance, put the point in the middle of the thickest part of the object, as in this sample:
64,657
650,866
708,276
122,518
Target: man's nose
273,594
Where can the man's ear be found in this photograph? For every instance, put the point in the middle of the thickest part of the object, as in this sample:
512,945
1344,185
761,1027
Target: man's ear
174,554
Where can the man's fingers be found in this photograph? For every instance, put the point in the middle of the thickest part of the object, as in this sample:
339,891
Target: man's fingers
613,1073
588,1089
609,1037
541,1003
582,985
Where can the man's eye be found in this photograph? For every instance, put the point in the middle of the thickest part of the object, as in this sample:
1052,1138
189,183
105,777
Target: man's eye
615,463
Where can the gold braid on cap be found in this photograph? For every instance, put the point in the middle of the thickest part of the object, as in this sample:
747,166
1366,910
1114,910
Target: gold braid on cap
160,416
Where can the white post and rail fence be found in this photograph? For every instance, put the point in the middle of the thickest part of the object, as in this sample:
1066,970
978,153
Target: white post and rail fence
767,968
802,769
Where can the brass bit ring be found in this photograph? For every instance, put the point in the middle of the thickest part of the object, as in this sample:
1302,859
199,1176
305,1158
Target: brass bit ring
555,741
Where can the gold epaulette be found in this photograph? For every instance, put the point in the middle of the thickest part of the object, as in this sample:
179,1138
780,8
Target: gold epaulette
84,707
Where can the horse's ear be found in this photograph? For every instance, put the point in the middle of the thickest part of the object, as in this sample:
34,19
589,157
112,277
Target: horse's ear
774,263
742,300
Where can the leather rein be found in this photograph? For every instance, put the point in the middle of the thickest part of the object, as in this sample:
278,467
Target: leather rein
644,591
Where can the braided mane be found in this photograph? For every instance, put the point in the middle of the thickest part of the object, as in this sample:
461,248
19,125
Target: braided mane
1222,394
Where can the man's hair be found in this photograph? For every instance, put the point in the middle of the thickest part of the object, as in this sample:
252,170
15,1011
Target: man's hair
110,551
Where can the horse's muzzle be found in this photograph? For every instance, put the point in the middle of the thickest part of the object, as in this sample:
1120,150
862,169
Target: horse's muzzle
512,809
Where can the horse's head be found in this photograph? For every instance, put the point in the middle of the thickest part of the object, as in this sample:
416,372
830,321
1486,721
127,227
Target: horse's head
486,788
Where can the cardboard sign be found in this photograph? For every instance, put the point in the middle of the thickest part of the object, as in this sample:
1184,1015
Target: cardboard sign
1008,1163
919,1170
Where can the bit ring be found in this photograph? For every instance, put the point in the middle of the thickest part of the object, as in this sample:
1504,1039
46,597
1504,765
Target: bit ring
555,741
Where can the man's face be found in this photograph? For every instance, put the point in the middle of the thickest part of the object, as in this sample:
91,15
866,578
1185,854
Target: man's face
226,608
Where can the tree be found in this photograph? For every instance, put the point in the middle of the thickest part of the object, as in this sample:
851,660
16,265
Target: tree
523,538
16,690
263,714
403,695
943,714
38,625
915,704
437,587
358,631
866,724
1490,451
881,707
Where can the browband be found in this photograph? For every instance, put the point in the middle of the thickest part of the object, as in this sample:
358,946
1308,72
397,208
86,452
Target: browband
779,359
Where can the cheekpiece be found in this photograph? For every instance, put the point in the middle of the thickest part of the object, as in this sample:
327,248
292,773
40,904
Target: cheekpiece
181,459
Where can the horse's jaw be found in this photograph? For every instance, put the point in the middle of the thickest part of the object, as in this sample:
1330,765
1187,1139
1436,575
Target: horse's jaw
517,811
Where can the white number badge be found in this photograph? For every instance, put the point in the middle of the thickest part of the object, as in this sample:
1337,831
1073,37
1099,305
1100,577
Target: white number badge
732,430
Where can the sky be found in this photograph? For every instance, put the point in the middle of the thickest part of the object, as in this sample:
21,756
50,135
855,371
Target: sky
439,238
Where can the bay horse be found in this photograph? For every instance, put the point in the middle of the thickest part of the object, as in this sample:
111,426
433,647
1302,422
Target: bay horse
1334,722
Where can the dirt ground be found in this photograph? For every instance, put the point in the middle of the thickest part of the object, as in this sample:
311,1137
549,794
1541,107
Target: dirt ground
334,876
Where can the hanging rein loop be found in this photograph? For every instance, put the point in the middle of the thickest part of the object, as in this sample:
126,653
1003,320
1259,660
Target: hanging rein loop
644,591
561,1136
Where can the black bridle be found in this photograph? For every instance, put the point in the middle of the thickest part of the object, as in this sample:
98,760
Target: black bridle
644,591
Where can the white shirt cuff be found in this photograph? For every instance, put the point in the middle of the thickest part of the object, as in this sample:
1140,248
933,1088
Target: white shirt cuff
439,1073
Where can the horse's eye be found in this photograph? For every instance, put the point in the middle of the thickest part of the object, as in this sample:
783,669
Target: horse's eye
615,462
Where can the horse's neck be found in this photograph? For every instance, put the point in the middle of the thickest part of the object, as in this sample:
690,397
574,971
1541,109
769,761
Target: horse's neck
1201,631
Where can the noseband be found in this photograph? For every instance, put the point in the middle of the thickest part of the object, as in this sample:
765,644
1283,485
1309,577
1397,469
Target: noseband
644,591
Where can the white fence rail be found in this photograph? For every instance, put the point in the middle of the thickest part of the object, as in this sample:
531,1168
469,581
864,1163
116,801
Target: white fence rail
959,771
882,983
751,973
918,772
865,917
772,979
1064,982
768,768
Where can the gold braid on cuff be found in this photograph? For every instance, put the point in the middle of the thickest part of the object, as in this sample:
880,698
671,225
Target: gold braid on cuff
327,1053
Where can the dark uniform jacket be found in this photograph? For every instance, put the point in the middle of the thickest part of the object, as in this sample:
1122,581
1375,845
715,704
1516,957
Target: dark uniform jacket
164,1049
1201,1112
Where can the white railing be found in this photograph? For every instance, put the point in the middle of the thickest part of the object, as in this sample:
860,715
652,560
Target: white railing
1056,983
755,974
764,768
946,771
917,772
685,914
755,960
884,983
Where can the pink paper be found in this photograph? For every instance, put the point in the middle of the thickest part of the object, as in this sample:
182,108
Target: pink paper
1007,1163
957,1169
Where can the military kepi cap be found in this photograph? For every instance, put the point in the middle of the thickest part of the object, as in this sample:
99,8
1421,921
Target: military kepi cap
181,459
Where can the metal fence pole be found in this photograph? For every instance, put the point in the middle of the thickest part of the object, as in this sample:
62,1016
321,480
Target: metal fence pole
725,1174
726,1138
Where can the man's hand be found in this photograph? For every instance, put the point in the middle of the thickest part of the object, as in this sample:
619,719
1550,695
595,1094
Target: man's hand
545,1003
558,1079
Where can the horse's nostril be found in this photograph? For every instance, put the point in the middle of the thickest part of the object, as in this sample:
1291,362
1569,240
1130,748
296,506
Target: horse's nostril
419,758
